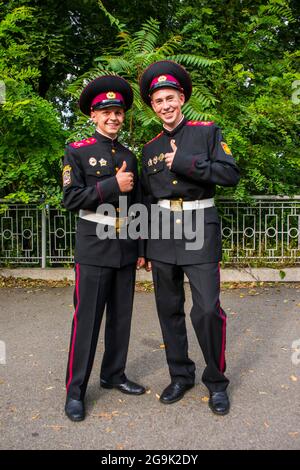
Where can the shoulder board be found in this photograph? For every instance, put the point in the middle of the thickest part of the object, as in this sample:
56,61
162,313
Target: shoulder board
200,123
154,138
83,143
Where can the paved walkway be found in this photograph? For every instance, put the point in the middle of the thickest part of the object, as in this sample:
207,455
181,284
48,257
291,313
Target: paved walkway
240,274
262,325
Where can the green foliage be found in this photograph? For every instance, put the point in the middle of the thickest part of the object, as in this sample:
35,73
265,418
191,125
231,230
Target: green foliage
243,58
135,52
254,45
31,135
30,159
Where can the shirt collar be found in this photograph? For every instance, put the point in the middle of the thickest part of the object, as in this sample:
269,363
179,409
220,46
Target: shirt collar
176,129
104,138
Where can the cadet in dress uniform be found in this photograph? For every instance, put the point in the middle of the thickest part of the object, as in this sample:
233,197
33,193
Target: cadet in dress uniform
96,171
180,170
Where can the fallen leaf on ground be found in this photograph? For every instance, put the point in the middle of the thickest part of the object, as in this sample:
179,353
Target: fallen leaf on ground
104,415
247,422
12,281
157,396
294,378
293,434
55,427
205,399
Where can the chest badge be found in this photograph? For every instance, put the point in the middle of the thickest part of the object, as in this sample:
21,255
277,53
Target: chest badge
103,162
93,161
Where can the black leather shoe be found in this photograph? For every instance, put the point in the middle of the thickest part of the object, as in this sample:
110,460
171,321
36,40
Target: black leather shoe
174,392
219,403
131,388
75,409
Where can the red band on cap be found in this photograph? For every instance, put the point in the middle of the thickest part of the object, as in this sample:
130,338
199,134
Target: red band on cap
106,97
161,79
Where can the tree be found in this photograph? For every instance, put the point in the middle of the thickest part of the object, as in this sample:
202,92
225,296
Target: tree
243,56
134,53
242,70
31,133
255,44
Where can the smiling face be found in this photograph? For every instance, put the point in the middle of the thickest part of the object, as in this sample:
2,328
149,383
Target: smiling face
109,120
167,103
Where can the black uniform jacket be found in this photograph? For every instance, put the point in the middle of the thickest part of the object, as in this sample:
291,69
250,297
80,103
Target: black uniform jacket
202,161
89,180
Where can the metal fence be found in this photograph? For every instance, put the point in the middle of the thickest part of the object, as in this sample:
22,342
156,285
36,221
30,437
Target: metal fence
266,230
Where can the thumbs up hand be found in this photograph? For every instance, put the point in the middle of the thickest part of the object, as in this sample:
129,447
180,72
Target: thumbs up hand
169,157
124,179
123,167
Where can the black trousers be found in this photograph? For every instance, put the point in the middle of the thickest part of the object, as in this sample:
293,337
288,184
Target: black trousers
95,288
207,316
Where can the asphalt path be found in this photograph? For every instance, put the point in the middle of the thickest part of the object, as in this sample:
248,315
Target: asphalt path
263,365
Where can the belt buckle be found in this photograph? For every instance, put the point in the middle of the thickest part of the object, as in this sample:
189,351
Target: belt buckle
120,222
176,205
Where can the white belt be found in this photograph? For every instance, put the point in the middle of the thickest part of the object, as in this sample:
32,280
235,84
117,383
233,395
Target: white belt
103,219
180,205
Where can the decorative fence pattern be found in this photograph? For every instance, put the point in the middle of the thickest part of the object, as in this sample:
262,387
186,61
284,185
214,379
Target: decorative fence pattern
266,230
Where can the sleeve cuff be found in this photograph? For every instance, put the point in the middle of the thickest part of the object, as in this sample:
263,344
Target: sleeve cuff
189,165
108,190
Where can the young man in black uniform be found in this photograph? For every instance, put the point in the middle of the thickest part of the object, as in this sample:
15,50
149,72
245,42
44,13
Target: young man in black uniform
97,171
181,167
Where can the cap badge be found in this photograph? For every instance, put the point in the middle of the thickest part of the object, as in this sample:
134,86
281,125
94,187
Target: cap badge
162,78
110,95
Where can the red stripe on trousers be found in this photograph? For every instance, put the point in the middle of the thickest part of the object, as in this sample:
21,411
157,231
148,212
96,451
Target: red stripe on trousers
75,328
222,355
